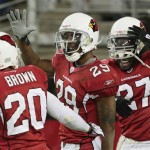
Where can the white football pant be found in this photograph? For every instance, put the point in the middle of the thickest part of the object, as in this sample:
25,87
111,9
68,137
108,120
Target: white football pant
129,144
68,146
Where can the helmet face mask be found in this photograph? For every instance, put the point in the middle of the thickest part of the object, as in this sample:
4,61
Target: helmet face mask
71,41
123,46
78,34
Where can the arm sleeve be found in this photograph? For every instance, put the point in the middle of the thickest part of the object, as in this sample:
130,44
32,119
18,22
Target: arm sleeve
65,115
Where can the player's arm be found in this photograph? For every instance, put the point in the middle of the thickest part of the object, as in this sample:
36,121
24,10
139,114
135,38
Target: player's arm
106,109
30,57
20,29
68,117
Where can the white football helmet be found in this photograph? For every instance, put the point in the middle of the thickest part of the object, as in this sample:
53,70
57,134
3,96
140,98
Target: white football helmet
78,30
121,44
8,52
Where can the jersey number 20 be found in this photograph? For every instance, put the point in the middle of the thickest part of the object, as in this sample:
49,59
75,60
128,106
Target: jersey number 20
12,128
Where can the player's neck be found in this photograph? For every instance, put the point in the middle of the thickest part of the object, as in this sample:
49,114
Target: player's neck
86,63
84,59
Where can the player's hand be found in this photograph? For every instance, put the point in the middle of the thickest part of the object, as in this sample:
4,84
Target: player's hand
18,24
122,107
95,130
140,34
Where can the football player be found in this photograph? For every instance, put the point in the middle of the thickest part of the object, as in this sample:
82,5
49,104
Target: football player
126,42
24,103
82,81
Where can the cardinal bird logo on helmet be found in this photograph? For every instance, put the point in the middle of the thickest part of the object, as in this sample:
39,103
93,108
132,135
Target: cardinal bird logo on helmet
8,39
93,25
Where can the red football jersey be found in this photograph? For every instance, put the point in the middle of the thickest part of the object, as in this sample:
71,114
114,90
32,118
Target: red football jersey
79,88
135,86
23,108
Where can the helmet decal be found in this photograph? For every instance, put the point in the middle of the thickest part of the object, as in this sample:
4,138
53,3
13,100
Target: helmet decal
93,25
8,39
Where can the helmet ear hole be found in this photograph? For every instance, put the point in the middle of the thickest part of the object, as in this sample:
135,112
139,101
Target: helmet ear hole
86,41
91,40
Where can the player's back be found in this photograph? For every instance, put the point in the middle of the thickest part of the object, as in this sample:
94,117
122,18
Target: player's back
22,108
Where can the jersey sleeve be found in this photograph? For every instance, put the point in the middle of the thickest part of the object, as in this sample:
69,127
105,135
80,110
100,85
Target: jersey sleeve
104,91
104,85
56,59
146,57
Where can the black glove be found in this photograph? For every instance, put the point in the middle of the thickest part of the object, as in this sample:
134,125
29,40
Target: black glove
122,107
140,34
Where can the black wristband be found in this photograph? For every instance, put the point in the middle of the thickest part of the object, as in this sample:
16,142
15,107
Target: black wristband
26,40
90,131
